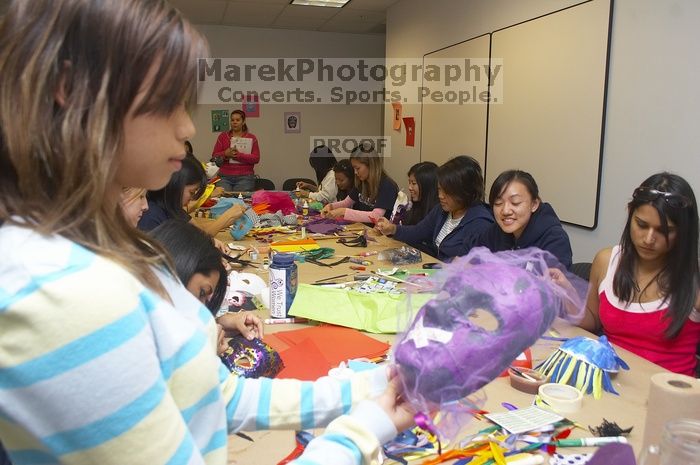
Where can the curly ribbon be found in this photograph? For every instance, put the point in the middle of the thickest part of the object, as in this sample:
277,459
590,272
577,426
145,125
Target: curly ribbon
424,422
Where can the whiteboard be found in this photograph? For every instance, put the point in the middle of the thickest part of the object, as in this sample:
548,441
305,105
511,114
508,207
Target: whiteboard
450,129
551,119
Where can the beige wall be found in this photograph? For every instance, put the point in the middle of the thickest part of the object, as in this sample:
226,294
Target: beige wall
653,105
286,155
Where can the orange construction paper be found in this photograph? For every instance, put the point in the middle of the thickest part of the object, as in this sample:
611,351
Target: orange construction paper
304,361
276,343
336,343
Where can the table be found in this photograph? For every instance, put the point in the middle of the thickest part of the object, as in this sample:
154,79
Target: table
628,409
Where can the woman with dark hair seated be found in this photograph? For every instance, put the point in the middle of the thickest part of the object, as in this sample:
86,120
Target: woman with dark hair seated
423,191
322,161
344,178
451,228
645,291
198,265
170,202
523,220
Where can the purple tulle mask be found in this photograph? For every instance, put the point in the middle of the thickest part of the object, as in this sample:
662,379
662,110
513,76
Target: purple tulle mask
488,308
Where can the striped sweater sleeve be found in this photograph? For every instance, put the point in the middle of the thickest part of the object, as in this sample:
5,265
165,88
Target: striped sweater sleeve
258,404
353,439
94,368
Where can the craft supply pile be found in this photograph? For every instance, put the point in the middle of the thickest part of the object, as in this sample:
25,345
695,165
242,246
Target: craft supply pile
459,327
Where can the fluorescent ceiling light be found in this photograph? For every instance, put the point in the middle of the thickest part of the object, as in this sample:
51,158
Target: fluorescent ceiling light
329,3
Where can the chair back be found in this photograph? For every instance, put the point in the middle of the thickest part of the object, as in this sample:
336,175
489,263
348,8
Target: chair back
262,183
582,270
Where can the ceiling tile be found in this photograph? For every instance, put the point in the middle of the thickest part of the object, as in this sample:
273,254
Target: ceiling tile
358,16
252,9
375,5
202,12
249,21
361,16
297,11
356,27
276,2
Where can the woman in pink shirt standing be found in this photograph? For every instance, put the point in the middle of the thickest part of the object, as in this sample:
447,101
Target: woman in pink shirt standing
644,291
238,152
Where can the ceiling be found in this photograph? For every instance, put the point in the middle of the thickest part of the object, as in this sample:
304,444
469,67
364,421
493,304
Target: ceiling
357,16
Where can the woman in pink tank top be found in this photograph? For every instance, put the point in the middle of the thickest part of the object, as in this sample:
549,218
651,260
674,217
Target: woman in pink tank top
644,292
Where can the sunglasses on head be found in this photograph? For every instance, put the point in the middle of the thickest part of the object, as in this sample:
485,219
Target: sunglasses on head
647,194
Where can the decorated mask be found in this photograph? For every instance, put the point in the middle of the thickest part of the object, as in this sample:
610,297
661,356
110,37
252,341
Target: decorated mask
488,309
252,359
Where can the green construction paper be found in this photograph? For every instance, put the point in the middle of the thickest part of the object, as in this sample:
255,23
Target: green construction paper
375,312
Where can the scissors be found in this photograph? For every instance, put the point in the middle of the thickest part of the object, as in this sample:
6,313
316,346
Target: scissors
239,261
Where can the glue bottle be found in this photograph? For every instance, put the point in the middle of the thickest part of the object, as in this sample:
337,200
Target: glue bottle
305,208
283,284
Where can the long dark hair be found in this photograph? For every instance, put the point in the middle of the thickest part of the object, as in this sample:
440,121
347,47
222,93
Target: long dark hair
242,114
169,198
193,251
426,177
461,179
322,161
679,279
344,166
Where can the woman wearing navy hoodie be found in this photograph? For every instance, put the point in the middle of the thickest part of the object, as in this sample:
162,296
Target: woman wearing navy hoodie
523,220
451,228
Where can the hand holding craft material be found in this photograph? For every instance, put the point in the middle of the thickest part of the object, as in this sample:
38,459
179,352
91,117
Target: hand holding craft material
252,359
445,355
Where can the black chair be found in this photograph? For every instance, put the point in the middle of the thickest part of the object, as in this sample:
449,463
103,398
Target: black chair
262,183
582,270
291,183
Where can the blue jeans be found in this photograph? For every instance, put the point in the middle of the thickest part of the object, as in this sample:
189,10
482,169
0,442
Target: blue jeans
243,183
4,459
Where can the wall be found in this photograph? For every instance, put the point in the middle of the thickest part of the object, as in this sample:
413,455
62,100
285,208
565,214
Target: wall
653,105
286,155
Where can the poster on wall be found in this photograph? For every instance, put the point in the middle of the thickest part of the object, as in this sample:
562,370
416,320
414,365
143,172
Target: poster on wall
397,107
251,106
220,121
410,125
292,122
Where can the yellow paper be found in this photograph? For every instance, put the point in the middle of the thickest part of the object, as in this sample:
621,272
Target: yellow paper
295,246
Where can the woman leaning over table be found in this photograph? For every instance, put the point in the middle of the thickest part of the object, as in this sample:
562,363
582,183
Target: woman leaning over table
644,292
170,202
374,193
97,363
237,170
322,160
450,229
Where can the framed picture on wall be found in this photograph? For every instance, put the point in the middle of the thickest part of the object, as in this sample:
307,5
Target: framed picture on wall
251,106
220,121
292,122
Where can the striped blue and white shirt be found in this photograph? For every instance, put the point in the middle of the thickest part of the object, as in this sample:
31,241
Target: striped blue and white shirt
95,368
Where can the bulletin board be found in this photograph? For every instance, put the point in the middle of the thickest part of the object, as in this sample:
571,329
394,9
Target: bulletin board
552,118
548,118
451,129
